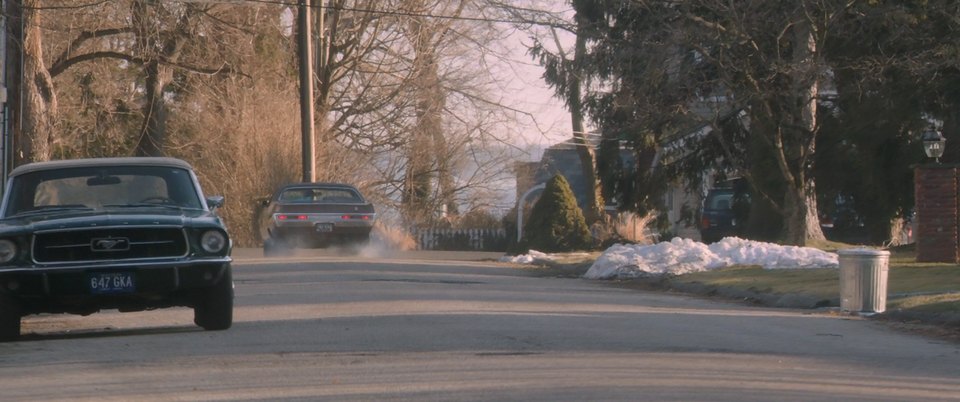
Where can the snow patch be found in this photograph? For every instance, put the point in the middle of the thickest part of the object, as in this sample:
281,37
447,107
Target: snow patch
683,256
533,256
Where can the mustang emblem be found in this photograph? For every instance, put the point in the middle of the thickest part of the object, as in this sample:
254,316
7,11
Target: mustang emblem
110,244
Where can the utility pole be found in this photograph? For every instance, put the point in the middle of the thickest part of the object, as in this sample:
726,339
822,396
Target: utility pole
306,90
12,69
4,130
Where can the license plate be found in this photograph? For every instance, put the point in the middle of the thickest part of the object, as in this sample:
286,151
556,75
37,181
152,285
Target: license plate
324,227
111,282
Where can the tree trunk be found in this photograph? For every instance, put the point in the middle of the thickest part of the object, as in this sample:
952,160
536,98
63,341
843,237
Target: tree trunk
446,183
801,222
593,210
153,133
420,171
325,21
14,47
33,141
154,128
800,203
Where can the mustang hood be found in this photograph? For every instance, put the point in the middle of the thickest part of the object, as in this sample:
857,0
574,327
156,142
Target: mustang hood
114,217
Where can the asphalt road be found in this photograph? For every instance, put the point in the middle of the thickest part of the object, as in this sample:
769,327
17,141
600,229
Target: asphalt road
422,326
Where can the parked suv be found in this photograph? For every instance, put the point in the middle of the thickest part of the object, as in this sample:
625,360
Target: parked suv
719,217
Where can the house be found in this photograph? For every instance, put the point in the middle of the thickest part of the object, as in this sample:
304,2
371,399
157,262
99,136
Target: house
563,159
559,158
681,203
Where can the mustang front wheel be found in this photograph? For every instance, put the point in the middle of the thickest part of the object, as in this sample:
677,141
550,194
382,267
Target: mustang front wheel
9,319
214,309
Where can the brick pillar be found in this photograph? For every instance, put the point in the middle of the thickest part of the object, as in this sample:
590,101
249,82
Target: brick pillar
937,237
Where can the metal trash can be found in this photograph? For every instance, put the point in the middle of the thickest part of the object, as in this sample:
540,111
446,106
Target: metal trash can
863,280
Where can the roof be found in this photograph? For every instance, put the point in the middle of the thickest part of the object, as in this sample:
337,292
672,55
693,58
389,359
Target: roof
318,185
93,162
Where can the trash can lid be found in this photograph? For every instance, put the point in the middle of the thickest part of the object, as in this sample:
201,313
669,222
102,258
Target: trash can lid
863,251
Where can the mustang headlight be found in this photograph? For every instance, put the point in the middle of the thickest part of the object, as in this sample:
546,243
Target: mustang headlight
212,241
8,251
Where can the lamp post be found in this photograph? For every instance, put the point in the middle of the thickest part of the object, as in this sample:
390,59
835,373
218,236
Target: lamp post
936,204
933,144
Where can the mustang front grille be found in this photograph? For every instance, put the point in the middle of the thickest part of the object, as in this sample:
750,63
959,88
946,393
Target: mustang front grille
109,244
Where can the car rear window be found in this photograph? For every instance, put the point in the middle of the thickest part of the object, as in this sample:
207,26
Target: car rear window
719,200
320,195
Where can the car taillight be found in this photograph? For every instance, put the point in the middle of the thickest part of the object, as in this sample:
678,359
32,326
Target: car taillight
705,223
298,217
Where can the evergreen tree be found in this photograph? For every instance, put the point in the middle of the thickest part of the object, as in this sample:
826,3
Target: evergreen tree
668,75
556,222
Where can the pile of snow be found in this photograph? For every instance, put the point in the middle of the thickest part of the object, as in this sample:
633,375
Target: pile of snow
531,257
682,256
537,257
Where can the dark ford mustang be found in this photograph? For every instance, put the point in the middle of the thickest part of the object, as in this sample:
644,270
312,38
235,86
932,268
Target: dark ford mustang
314,215
131,234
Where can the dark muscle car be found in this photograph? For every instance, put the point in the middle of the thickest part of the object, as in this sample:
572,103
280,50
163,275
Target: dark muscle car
314,215
79,236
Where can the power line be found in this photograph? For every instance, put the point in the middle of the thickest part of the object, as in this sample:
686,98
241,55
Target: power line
397,13
294,3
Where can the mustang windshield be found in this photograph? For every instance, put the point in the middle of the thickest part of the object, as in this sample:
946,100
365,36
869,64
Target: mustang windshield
97,187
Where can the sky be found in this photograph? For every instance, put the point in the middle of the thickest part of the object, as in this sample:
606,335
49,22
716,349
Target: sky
532,94
542,119
682,256
524,87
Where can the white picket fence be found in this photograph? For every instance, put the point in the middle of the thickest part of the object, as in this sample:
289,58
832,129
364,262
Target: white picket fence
459,239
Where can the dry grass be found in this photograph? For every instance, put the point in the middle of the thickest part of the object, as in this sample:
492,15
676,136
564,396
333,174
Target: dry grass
912,287
393,238
823,283
902,279
939,303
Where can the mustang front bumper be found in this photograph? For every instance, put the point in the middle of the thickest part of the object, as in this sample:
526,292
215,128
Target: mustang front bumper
73,288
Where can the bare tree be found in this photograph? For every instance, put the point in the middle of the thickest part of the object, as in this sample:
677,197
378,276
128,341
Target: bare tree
159,45
214,83
33,127
407,85
153,40
428,142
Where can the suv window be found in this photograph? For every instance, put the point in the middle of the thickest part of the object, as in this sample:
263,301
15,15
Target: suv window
719,199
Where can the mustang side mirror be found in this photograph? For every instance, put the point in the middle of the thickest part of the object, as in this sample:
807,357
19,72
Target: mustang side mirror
215,201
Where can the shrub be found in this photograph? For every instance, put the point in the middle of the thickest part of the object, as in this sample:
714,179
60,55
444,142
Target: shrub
478,219
556,222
